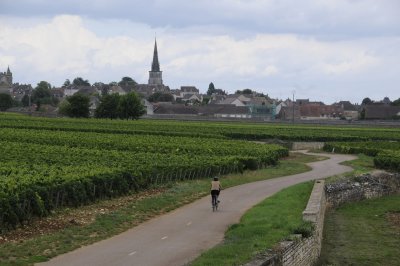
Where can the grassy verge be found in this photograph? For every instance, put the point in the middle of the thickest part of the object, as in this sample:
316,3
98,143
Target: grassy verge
260,228
144,207
270,222
363,164
363,233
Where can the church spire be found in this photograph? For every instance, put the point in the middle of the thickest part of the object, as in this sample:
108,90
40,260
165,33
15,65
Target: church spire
8,70
155,66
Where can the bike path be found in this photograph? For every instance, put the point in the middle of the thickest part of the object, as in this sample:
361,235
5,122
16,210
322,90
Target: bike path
178,237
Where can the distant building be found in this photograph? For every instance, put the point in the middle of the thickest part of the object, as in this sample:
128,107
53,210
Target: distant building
155,83
6,81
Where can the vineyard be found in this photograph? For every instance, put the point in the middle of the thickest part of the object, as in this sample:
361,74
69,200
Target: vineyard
51,163
44,168
386,153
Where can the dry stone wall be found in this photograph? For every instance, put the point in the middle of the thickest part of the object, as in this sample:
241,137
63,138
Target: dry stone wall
363,187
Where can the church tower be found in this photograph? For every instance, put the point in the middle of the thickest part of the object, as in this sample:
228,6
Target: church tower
6,78
155,75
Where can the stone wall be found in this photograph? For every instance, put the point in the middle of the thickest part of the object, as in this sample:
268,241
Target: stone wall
300,251
305,251
362,187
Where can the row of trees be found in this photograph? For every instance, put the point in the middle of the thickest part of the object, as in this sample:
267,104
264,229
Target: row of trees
111,106
78,81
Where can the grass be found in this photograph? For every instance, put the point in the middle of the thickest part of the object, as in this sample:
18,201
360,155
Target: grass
363,164
174,195
260,228
361,234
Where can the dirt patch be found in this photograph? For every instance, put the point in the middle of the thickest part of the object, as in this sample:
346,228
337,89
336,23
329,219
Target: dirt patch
84,215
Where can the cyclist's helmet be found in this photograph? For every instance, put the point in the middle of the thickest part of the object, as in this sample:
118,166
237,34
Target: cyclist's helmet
215,178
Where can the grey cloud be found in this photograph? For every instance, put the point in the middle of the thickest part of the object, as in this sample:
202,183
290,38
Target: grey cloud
340,17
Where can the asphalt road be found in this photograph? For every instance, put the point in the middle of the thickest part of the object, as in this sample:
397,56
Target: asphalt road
178,237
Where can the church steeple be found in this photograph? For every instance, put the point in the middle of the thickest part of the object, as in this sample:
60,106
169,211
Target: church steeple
155,66
8,70
155,74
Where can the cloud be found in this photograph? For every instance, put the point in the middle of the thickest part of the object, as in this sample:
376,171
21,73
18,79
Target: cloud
338,17
68,46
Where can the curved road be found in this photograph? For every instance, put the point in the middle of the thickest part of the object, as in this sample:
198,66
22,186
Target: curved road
178,237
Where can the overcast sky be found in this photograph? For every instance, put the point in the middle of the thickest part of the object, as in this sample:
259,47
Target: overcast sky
325,50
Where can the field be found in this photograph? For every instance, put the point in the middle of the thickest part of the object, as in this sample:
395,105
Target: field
51,163
363,233
386,153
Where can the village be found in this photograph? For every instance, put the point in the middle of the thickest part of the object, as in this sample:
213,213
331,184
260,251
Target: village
188,102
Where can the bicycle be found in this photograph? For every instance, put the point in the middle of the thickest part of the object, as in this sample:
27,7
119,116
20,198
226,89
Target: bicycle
214,202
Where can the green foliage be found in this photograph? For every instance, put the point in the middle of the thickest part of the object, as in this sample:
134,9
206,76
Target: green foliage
388,159
108,107
396,102
25,100
386,153
78,106
161,97
127,81
78,81
305,229
366,101
130,107
67,82
64,107
43,169
361,233
6,101
42,94
245,91
211,89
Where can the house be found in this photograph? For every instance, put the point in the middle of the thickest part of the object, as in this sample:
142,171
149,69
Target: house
189,90
350,111
18,91
224,111
233,101
192,98
174,109
58,93
314,111
117,90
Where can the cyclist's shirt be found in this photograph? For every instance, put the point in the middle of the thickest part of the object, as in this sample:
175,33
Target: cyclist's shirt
215,185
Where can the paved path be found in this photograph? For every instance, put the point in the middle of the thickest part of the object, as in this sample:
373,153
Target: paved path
181,235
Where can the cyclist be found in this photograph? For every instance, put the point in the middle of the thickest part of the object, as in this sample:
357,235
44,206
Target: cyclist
215,189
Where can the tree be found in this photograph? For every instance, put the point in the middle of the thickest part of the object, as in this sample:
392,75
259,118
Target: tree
78,106
161,97
211,89
63,108
245,91
6,101
25,100
362,114
396,102
366,101
130,107
127,81
66,83
42,94
108,107
78,81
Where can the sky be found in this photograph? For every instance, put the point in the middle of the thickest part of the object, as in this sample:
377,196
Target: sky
322,50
